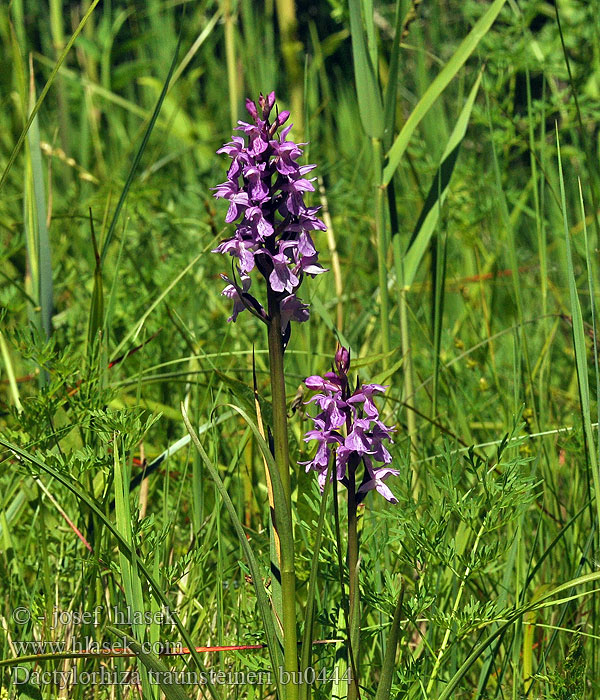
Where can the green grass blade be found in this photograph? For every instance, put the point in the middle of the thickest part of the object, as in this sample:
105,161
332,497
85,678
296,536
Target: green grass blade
391,89
44,259
10,373
44,92
79,492
542,602
160,672
140,151
581,355
389,663
96,317
309,611
261,596
437,193
129,572
466,48
367,89
134,332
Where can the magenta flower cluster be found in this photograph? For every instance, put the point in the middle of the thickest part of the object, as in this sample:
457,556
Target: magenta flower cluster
365,435
265,188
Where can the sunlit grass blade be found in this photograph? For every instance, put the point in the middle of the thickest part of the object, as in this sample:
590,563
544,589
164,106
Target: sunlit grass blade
160,673
44,92
438,86
581,353
10,373
140,152
429,216
261,596
82,495
367,89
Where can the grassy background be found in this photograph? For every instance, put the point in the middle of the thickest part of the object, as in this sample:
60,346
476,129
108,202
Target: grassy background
499,334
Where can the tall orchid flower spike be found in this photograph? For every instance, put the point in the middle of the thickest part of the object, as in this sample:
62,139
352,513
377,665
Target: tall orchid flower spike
364,440
265,189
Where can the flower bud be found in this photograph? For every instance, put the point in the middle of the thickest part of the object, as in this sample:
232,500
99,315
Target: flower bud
342,360
251,107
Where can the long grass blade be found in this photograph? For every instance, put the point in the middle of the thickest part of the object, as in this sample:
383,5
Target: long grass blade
42,238
429,216
140,151
81,494
466,48
44,92
581,355
367,90
261,596
160,673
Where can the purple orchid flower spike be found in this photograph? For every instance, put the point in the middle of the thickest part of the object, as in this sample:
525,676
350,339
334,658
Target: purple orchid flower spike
349,429
265,188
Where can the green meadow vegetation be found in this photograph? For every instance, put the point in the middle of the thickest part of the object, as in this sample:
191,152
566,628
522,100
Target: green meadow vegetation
458,173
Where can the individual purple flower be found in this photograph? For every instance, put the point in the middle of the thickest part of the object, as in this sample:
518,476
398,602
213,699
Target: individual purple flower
292,309
378,476
348,428
232,292
265,189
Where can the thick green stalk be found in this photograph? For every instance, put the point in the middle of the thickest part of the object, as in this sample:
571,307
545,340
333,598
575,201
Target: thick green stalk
381,245
354,592
281,454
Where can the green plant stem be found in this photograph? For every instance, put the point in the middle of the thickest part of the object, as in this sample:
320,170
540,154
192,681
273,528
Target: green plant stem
381,246
280,441
461,589
354,592
281,454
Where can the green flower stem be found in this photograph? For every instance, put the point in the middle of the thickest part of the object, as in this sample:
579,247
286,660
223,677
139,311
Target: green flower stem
354,592
381,245
281,454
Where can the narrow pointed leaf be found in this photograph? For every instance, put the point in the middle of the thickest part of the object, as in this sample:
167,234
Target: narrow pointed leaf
140,152
428,218
82,495
38,104
389,662
161,672
581,353
261,596
438,86
367,89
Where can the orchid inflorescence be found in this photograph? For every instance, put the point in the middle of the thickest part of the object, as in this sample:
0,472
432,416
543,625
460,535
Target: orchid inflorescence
365,434
265,188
